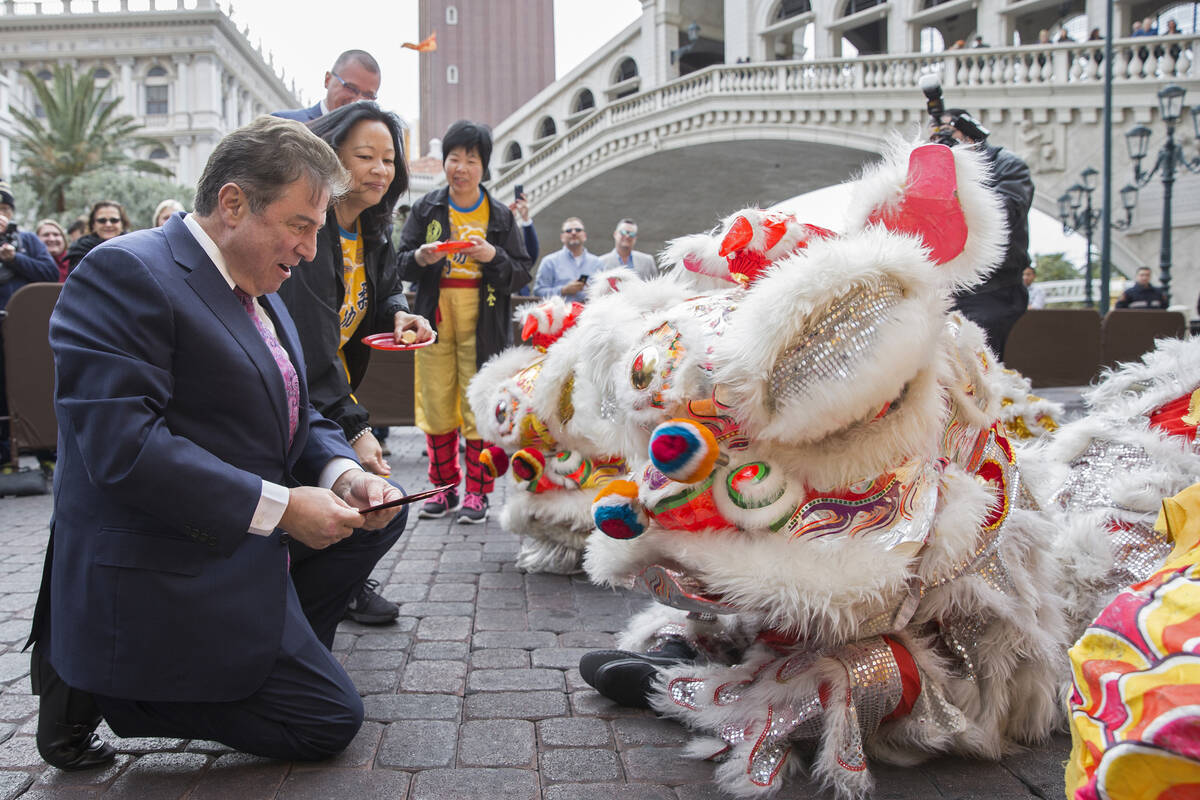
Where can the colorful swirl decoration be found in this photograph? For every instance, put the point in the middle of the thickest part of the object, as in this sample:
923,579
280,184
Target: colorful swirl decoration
1135,703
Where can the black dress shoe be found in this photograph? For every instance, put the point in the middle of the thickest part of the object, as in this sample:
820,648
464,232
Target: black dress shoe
626,677
67,721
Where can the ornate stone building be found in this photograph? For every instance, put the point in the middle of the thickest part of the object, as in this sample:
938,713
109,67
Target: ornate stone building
181,67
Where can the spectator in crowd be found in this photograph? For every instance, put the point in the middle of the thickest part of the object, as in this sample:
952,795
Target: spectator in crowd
978,42
106,220
566,271
959,44
1063,36
468,296
23,259
520,211
164,211
209,524
1142,294
623,254
1037,295
997,302
76,229
55,239
1044,36
1136,29
1095,35
354,76
351,288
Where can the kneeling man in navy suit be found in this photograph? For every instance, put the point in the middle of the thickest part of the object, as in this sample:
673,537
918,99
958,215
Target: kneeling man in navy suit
206,535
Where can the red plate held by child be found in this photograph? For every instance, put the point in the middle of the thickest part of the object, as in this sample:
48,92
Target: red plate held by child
387,341
453,247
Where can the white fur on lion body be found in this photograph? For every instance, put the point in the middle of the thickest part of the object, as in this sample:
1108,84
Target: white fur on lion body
867,528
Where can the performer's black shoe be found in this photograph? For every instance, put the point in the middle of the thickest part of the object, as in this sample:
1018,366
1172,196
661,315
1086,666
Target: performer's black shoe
67,721
626,677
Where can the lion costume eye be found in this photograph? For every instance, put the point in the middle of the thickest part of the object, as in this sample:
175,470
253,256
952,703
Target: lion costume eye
644,368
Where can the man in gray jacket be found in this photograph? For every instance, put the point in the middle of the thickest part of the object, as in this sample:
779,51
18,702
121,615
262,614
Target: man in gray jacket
623,254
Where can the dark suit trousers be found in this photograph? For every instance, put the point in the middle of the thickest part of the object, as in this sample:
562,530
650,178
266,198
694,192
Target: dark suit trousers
308,708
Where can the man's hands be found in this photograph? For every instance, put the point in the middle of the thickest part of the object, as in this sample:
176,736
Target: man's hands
362,489
574,287
321,517
318,518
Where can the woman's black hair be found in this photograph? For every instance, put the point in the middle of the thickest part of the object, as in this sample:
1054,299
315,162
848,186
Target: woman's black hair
469,136
335,126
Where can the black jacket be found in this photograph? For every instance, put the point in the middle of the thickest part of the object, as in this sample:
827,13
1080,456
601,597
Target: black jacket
429,221
1013,184
1142,297
314,297
80,248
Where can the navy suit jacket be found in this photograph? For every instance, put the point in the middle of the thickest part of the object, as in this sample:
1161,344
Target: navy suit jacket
300,114
171,410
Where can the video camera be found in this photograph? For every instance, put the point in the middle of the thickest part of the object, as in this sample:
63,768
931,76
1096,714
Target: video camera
960,120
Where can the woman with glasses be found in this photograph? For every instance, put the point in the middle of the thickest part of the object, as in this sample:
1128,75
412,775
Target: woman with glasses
468,293
352,289
108,219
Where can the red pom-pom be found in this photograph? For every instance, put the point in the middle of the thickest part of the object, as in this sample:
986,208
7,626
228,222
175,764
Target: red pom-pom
528,465
494,460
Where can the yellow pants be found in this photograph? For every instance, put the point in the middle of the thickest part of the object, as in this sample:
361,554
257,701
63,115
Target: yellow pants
444,369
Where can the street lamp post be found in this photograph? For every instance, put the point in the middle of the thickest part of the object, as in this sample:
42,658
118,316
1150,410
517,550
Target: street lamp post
1170,155
1076,214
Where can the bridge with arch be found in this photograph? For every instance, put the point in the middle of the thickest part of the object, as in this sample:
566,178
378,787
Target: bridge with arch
614,138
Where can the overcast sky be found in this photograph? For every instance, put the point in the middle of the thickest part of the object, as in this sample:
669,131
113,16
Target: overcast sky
305,37
298,33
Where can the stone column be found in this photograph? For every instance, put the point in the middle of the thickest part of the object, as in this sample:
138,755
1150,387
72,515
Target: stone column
185,173
183,102
129,101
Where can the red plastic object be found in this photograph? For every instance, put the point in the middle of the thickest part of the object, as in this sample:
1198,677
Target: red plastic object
453,247
387,341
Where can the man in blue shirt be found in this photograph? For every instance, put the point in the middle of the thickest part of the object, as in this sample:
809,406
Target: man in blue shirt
566,271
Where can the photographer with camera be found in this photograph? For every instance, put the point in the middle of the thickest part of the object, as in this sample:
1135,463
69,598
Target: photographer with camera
995,304
23,259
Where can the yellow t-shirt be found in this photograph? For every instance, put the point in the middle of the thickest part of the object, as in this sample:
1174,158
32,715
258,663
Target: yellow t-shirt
466,222
354,277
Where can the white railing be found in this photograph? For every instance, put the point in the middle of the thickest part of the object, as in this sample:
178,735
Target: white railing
890,81
1075,290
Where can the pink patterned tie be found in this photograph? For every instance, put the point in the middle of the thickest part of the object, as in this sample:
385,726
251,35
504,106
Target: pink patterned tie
291,380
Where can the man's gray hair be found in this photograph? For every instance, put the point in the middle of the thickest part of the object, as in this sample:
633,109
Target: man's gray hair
264,158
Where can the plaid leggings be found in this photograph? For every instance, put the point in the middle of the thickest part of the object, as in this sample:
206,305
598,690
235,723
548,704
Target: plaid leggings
443,462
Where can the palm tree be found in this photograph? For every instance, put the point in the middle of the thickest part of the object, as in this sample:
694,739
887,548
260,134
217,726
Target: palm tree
81,133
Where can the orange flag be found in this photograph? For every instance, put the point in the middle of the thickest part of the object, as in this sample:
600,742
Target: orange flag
428,45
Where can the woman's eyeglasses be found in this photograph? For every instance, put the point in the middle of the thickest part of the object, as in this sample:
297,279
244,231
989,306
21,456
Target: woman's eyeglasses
107,220
354,90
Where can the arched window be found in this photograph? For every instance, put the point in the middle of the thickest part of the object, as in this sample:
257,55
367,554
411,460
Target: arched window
626,70
512,152
790,8
157,92
102,74
855,6
583,101
451,74
451,15
159,154
1185,15
546,128
45,75
932,41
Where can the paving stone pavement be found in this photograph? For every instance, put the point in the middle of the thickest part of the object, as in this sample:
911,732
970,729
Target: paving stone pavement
474,692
